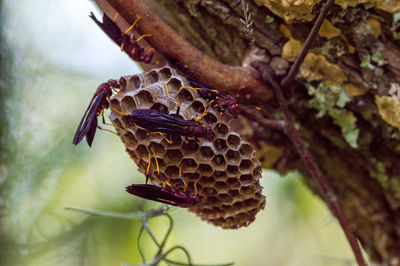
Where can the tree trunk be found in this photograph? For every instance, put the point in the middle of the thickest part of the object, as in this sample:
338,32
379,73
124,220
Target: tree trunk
346,99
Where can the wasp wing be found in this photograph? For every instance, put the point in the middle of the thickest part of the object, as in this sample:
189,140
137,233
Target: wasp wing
155,193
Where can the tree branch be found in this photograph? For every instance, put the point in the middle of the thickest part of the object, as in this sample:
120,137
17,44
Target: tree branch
239,81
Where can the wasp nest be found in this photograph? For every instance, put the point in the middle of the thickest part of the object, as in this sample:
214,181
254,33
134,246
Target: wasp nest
224,169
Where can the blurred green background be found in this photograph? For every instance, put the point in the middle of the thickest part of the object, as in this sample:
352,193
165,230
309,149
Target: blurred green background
53,57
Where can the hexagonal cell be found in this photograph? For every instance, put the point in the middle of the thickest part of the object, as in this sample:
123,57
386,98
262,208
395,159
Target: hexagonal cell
206,152
144,98
220,185
141,151
151,77
189,164
128,105
197,107
238,205
212,201
184,96
246,179
220,175
233,193
176,140
219,162
194,185
174,84
209,191
191,146
246,149
158,148
224,197
142,164
136,82
233,182
115,104
132,154
164,73
172,171
251,202
160,107
206,180
233,156
129,140
173,156
191,176
232,170
205,170
141,135
220,144
257,171
233,141
245,165
210,118
221,129
246,190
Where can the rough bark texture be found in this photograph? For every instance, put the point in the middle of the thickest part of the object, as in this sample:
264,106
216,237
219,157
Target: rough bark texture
363,169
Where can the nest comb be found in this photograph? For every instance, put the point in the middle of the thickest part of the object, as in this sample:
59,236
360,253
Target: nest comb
225,168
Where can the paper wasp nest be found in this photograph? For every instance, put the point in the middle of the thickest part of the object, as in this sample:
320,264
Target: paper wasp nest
226,169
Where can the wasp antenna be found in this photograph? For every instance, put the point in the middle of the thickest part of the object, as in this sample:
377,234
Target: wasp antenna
155,158
143,36
166,89
115,16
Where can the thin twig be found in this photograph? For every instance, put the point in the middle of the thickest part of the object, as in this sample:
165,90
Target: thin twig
188,59
313,168
268,123
307,45
120,215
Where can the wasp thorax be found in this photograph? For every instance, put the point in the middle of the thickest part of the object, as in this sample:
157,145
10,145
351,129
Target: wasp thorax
221,168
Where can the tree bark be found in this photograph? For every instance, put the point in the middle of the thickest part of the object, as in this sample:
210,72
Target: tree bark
353,136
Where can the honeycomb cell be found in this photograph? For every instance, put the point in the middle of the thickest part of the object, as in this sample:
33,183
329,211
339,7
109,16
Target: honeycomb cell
206,152
245,165
233,170
233,182
173,157
158,148
184,96
128,105
191,176
210,118
246,190
219,162
151,77
224,197
207,180
221,129
141,151
233,156
129,140
190,146
233,193
132,154
246,179
220,175
164,73
136,82
160,107
234,141
246,149
197,107
174,84
220,144
189,164
143,98
221,186
172,171
205,170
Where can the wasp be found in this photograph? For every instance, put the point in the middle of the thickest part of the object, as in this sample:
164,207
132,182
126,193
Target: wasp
100,101
124,40
171,195
158,122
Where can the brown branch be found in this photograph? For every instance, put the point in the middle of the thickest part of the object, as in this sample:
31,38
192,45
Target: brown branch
238,81
307,45
312,166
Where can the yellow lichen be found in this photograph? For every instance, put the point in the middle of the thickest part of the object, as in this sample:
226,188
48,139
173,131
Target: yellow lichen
316,67
375,26
269,155
346,3
349,46
391,6
353,90
291,10
285,31
291,50
328,30
389,109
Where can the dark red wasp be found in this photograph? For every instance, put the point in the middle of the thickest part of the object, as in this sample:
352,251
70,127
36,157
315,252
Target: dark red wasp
156,121
168,195
88,125
218,100
124,40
